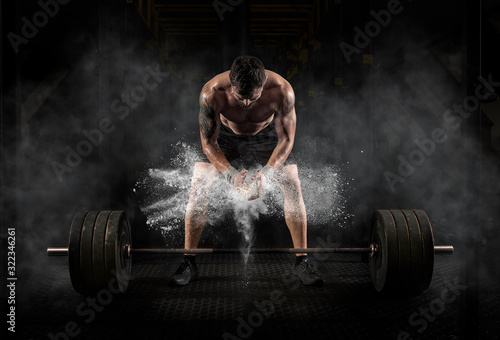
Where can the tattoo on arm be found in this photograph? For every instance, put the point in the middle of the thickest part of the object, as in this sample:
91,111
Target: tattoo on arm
206,119
289,104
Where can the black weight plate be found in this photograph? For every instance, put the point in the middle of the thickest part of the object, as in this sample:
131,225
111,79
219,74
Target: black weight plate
98,250
86,245
404,249
75,235
117,236
377,238
385,264
427,249
126,261
125,267
416,249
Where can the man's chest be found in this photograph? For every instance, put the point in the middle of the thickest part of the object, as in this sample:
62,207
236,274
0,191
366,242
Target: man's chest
239,115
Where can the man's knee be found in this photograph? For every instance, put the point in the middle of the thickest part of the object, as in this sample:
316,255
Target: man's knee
204,175
288,178
290,183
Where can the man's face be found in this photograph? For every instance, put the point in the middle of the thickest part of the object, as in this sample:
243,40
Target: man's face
247,101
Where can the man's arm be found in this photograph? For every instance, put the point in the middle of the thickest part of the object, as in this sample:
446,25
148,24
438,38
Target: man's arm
209,122
285,123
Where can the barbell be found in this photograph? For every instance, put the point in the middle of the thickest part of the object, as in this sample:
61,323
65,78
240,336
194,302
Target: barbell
401,251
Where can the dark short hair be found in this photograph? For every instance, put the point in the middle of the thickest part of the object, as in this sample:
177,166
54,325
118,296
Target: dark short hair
247,74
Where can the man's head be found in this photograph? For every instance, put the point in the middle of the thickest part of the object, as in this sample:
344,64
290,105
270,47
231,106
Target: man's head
247,78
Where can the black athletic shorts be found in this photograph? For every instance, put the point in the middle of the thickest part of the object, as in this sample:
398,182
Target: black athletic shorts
247,149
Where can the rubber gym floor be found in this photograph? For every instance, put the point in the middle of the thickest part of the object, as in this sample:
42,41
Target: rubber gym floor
259,299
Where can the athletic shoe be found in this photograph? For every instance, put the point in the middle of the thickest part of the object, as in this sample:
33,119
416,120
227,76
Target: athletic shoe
186,272
306,272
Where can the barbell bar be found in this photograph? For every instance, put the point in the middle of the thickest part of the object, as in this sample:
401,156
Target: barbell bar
61,251
401,250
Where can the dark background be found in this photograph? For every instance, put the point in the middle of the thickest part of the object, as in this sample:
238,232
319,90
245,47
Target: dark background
363,115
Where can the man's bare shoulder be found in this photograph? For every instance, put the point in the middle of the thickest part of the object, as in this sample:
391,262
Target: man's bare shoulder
275,82
216,87
281,90
218,83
